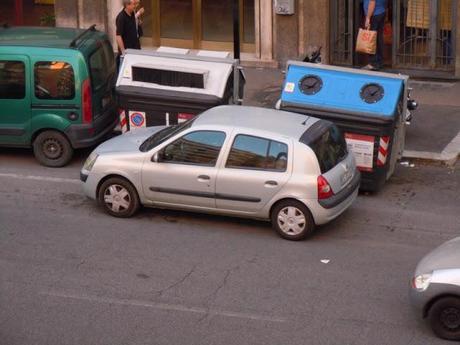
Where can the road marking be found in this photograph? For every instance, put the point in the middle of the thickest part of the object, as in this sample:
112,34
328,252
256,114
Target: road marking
165,306
41,178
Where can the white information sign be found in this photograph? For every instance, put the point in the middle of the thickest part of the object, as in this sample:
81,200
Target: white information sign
362,147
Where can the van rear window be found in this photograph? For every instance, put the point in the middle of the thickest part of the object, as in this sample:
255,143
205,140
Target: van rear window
102,65
328,143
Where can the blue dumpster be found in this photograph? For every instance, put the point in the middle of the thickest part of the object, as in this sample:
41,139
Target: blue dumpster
369,108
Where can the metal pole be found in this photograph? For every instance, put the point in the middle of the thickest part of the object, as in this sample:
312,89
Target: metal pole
236,29
18,13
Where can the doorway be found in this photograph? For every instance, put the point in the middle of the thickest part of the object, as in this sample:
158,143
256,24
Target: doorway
198,24
419,34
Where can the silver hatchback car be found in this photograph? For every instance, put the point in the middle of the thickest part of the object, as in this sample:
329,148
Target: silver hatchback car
260,163
435,289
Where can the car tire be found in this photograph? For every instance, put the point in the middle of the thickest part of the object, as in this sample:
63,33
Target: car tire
292,220
52,149
444,318
118,197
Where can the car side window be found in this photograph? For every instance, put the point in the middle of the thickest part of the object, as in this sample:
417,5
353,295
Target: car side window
199,148
54,80
257,153
12,80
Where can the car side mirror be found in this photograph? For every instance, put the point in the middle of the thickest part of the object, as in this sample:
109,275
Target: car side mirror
156,158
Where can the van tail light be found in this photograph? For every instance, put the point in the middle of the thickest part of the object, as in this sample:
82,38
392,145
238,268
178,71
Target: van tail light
182,117
324,188
87,102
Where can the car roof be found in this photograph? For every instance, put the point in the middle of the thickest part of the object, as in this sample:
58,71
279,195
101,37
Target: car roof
255,118
43,37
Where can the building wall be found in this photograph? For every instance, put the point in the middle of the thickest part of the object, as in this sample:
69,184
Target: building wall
314,27
81,13
286,36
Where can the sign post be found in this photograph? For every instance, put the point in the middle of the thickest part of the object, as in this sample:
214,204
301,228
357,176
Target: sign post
236,29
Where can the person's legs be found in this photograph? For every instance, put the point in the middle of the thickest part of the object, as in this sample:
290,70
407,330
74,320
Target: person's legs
377,24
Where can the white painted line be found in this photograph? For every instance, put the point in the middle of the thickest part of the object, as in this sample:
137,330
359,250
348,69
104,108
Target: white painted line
164,306
40,178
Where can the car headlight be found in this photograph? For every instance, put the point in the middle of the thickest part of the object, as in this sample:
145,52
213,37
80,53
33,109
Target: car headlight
90,161
421,282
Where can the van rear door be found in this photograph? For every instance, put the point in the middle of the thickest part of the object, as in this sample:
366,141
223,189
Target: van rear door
14,100
101,64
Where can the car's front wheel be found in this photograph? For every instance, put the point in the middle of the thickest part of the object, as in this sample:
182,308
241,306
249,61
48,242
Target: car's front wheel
118,197
292,220
444,317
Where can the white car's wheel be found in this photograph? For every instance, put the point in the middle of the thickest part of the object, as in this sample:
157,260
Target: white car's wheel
292,220
119,197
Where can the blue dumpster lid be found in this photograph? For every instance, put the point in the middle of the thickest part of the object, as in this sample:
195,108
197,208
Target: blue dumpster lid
342,89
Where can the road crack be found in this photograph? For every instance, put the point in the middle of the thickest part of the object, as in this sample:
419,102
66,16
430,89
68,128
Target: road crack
177,283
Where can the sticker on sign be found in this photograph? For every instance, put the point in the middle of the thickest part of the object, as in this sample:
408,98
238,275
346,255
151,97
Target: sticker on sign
362,147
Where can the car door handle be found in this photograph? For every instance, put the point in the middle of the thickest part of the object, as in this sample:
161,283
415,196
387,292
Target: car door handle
204,178
271,183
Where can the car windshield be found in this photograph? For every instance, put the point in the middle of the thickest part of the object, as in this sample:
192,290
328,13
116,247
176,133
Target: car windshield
164,134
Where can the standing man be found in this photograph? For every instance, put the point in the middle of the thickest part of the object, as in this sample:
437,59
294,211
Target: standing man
375,20
127,27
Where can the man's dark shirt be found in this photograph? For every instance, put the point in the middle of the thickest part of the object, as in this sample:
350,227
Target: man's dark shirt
126,28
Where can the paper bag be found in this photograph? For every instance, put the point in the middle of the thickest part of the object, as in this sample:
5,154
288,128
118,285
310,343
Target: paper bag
366,42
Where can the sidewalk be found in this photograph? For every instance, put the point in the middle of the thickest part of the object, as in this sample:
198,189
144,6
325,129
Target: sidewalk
433,135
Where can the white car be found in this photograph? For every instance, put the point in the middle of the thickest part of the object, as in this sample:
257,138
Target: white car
260,163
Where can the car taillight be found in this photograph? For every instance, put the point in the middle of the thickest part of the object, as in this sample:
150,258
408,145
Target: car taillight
182,117
87,102
324,189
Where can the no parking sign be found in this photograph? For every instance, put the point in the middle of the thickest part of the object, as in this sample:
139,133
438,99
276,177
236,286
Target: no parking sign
136,119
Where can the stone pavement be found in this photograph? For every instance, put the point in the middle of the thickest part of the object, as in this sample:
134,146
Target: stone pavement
433,135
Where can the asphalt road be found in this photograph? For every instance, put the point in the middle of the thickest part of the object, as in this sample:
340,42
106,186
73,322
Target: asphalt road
69,274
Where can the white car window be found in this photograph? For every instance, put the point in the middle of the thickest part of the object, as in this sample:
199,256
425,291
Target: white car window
200,148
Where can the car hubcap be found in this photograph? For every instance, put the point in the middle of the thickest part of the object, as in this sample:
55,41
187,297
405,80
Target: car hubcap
450,318
291,220
52,148
117,198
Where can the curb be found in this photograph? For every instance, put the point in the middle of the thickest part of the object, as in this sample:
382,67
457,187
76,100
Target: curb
448,156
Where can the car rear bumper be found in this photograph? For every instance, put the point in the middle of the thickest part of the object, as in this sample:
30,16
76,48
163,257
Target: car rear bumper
323,215
343,195
81,136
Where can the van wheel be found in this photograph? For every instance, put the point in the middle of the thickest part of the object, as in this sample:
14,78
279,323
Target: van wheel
52,149
444,317
119,197
292,220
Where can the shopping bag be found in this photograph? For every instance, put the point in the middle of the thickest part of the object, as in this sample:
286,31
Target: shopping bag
366,42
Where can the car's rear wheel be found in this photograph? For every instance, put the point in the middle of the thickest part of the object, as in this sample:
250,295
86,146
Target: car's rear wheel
118,197
52,149
292,220
444,317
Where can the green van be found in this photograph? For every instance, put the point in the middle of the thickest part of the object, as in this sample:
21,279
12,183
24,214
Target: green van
56,90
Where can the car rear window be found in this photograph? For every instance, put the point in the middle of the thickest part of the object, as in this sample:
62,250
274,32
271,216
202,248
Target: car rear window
328,143
101,65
